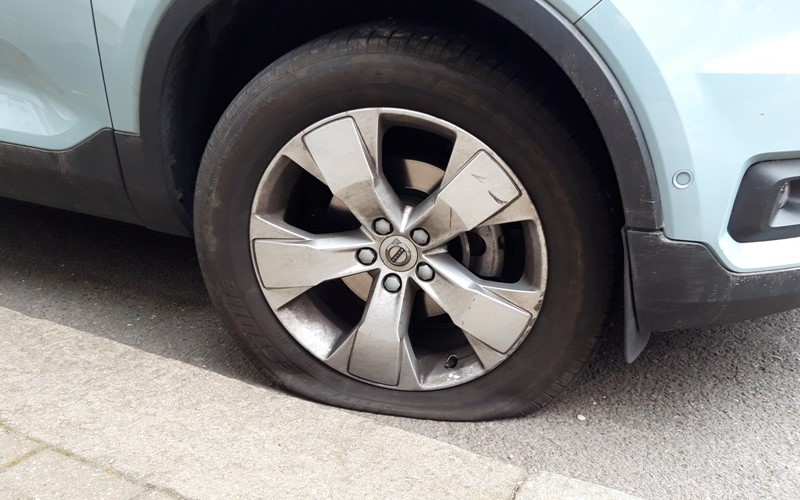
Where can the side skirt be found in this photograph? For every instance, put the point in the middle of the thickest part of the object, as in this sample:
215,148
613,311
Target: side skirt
86,178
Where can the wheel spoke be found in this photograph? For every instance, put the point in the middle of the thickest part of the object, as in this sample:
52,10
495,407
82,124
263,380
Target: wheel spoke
297,152
488,357
519,210
351,171
379,348
291,261
494,313
465,148
520,295
368,123
271,227
478,191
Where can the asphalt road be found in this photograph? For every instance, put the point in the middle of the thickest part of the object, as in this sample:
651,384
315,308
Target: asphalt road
711,413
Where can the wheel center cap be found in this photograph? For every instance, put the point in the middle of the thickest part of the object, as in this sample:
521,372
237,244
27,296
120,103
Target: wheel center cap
398,253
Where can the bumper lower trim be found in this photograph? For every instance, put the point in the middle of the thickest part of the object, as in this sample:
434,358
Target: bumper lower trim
678,284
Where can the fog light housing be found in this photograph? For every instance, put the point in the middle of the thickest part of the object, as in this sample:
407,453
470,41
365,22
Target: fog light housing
767,206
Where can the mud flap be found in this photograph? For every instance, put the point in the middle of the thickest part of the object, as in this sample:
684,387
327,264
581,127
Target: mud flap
636,339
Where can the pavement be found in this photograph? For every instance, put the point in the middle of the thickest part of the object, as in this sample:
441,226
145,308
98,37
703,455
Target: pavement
119,381
87,417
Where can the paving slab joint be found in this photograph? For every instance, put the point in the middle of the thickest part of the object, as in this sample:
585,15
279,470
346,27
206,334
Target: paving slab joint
21,458
43,445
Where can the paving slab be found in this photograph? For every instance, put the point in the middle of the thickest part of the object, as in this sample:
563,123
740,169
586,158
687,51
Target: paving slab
202,435
150,494
49,474
14,447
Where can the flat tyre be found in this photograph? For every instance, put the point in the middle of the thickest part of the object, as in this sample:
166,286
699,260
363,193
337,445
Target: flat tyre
396,220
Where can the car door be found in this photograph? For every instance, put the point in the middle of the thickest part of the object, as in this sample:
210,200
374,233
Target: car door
56,140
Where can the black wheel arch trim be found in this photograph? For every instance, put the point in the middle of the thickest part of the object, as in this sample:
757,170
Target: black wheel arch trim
146,163
605,98
145,160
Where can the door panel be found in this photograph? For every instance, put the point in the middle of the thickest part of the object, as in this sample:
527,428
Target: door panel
51,84
56,143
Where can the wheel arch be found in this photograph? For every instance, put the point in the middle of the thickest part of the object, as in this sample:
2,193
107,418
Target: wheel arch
604,97
160,163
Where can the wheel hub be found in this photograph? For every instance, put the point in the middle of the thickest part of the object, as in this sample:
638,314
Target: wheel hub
398,253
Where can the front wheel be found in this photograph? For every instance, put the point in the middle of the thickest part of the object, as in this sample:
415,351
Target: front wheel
391,222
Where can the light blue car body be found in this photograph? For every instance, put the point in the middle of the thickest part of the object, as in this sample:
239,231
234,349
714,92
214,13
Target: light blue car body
714,85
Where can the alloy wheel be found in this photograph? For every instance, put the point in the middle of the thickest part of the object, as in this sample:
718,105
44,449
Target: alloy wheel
398,249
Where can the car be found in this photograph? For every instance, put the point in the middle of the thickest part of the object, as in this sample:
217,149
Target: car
427,209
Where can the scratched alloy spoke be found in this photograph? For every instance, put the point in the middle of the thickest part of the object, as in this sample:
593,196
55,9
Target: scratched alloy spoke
351,171
377,348
478,190
497,314
291,261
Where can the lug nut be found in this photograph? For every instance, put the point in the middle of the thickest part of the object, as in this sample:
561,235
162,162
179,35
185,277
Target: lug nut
392,283
382,227
420,237
366,256
425,272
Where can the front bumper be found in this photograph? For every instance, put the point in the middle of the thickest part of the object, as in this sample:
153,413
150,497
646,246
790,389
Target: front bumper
675,284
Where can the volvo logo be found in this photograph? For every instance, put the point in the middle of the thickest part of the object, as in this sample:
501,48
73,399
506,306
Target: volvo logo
397,253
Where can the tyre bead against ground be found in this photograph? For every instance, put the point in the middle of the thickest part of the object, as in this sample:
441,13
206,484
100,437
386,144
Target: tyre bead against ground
384,66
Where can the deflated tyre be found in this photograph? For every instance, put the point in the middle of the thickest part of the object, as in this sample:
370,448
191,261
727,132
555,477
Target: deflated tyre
395,220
